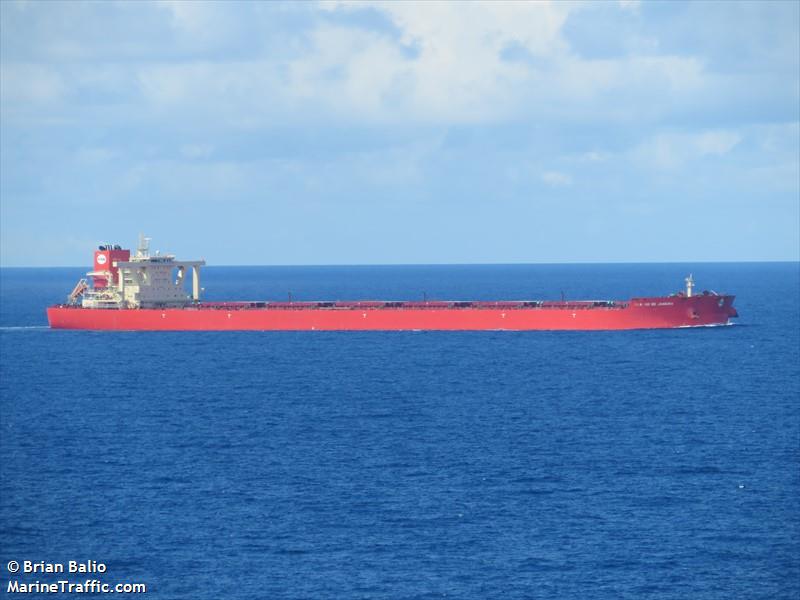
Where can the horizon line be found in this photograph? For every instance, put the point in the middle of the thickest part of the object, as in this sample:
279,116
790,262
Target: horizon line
459,264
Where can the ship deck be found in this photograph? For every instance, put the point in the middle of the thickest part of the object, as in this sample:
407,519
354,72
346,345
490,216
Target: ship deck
397,305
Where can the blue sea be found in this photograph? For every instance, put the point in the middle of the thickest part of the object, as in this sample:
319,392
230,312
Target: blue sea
478,465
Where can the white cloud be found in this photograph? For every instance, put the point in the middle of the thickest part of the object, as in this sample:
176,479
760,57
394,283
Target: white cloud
715,142
673,150
458,72
201,22
556,179
445,63
349,70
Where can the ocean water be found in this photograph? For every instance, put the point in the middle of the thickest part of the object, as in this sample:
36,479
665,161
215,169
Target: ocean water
657,464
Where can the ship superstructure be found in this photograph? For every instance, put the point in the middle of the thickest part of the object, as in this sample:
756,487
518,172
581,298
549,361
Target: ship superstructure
139,281
148,292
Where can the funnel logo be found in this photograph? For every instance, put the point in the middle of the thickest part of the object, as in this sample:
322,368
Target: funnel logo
101,259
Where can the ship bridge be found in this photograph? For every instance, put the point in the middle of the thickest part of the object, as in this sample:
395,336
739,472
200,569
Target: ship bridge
144,281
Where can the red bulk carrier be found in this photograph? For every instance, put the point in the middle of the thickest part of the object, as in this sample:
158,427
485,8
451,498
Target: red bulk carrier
146,292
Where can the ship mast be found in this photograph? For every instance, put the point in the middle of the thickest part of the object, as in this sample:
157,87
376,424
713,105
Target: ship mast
689,286
143,251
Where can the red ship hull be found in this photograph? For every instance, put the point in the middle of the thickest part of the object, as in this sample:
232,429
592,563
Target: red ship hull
637,313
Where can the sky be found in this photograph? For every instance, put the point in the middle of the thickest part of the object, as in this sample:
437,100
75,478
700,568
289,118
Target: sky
400,133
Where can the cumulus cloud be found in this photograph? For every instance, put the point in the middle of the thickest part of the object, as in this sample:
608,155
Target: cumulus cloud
440,62
445,64
477,62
